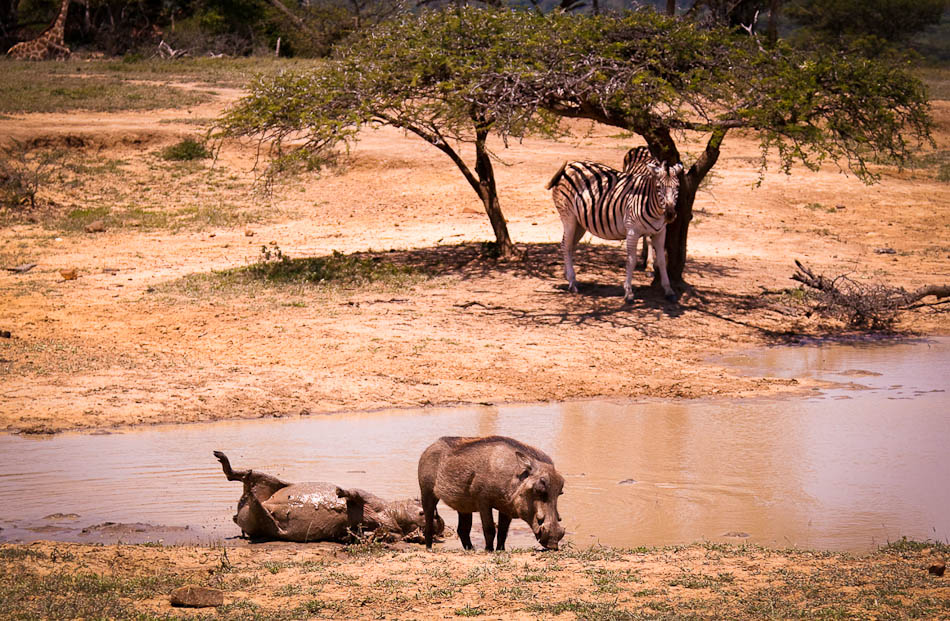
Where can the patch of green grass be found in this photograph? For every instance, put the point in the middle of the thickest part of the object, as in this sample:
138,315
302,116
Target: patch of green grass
335,272
317,606
366,549
217,71
45,87
469,611
583,610
593,553
690,580
25,594
186,150
10,553
820,207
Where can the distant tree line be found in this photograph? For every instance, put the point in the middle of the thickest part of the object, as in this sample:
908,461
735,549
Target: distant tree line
312,27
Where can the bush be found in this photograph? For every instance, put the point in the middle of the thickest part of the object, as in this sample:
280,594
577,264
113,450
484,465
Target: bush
185,151
23,169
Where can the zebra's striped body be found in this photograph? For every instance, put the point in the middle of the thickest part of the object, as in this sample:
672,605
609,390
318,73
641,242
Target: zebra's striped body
616,205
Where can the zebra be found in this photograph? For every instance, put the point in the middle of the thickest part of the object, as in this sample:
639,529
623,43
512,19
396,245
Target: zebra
616,205
635,162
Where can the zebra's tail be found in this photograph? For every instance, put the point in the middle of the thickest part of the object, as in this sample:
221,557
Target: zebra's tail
557,176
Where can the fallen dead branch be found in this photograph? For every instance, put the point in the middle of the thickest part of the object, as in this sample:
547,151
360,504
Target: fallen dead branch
862,305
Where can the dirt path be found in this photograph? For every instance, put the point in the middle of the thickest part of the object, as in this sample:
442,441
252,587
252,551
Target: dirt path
128,342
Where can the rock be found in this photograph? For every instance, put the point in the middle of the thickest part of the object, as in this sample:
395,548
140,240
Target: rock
627,482
22,268
70,274
61,516
6,334
738,534
192,596
97,226
884,251
937,569
249,233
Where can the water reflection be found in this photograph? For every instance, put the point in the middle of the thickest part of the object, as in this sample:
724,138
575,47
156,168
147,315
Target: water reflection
821,471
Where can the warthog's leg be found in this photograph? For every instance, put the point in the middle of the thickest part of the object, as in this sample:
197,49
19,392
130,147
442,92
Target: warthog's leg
504,521
488,526
429,501
231,474
465,530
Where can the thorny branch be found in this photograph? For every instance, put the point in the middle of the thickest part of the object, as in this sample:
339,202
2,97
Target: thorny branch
863,305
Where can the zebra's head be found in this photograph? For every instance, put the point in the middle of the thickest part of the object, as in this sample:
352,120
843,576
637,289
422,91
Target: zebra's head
667,186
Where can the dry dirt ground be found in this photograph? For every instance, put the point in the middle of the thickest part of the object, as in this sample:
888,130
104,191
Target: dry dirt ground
129,342
283,581
147,333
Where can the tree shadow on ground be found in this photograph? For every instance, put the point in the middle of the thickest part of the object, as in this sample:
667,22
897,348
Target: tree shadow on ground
599,300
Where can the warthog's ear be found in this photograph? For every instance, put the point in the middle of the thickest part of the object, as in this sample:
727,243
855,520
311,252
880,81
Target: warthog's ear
526,465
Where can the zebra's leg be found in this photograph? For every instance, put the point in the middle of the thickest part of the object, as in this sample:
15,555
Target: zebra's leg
642,261
573,232
632,238
659,260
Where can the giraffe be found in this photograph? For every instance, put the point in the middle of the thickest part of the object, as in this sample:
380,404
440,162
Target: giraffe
48,45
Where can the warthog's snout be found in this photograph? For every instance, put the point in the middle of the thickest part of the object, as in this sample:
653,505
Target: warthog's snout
548,532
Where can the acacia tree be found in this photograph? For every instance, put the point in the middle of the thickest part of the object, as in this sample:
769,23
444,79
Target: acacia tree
663,78
456,75
423,74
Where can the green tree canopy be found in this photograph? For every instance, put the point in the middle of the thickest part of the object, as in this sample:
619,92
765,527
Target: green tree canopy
424,74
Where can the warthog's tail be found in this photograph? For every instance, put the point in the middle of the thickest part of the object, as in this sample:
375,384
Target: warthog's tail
557,176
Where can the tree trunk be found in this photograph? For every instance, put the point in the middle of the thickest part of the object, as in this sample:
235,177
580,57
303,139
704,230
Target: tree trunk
773,21
488,192
671,7
677,231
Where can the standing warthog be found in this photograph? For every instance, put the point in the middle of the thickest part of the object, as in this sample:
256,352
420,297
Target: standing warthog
481,474
273,509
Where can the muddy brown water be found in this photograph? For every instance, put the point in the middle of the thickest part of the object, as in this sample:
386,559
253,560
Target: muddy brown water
858,463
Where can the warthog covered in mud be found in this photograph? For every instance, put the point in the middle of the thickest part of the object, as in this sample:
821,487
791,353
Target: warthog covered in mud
273,509
481,474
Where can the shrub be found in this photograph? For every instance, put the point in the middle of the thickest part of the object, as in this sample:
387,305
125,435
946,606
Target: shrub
186,150
23,169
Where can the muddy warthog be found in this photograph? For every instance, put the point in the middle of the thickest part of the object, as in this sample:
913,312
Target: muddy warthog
481,474
273,509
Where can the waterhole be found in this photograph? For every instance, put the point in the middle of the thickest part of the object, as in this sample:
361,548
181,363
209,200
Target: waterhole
857,463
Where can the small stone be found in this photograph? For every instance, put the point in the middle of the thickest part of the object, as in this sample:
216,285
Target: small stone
22,268
70,274
884,251
6,334
627,482
97,226
249,233
191,596
937,569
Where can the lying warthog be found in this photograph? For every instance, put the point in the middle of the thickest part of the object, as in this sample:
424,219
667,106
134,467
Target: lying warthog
274,509
481,474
